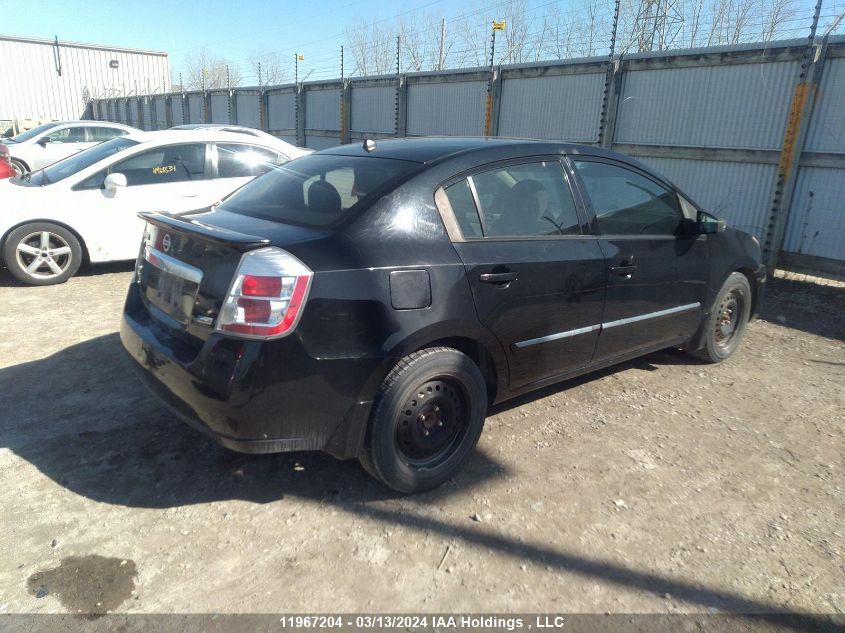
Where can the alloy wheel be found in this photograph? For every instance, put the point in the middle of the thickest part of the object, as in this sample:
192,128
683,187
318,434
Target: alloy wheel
43,254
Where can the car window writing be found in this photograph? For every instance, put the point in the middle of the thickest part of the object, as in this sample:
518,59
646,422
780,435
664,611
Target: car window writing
627,203
527,199
172,163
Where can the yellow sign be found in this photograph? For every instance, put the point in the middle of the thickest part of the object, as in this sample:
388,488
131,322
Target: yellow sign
301,58
499,25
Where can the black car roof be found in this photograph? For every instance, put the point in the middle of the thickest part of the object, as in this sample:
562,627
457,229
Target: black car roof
432,149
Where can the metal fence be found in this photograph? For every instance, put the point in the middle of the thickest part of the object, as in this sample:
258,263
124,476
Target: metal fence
755,133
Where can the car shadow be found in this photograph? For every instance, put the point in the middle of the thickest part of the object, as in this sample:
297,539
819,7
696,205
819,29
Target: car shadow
806,306
7,280
93,429
104,437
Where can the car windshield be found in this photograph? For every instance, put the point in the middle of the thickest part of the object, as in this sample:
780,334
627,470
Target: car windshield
77,162
318,190
25,136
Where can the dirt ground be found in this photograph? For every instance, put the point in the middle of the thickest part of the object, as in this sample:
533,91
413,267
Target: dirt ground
663,485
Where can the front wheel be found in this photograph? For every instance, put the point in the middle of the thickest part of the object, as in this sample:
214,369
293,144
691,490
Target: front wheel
42,254
728,320
427,419
19,167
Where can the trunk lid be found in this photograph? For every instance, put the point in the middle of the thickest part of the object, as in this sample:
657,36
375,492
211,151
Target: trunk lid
188,262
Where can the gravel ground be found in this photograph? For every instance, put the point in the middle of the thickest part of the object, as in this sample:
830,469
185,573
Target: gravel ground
663,485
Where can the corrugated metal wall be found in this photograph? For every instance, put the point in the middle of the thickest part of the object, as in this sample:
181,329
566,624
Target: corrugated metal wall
220,107
33,88
552,107
738,192
454,108
372,108
741,106
712,120
248,106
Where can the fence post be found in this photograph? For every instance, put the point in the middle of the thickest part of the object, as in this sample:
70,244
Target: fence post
206,106
263,104
402,107
610,103
345,111
233,106
797,124
300,114
496,103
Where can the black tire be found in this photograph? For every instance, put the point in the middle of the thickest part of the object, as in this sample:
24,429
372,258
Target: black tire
28,259
20,168
729,315
427,418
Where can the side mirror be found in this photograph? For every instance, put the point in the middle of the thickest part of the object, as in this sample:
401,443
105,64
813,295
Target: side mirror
43,141
114,181
708,224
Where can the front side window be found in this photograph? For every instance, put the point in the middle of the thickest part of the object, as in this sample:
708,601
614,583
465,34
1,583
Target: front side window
318,190
235,160
522,200
86,158
627,203
32,133
172,163
67,135
100,134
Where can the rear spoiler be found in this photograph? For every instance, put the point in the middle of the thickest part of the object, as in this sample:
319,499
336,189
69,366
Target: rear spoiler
216,234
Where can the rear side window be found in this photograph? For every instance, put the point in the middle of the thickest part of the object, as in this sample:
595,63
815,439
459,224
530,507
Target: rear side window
318,190
67,135
235,160
100,134
627,203
522,200
173,163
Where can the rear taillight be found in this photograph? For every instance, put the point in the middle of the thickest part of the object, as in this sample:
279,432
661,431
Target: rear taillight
267,295
4,154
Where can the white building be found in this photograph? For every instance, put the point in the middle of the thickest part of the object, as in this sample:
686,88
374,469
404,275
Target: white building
55,80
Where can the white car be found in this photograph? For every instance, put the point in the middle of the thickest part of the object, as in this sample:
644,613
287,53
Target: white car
51,142
86,206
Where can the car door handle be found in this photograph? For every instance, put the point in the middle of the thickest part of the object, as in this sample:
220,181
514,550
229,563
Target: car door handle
626,268
624,271
498,278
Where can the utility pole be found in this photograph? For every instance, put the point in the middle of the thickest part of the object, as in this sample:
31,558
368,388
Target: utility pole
440,59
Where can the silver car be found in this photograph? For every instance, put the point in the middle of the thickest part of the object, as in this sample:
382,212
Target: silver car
51,142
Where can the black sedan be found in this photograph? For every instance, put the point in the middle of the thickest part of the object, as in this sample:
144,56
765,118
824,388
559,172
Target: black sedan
372,301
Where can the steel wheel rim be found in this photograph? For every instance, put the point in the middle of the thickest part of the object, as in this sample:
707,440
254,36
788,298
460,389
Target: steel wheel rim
728,317
18,169
43,254
432,423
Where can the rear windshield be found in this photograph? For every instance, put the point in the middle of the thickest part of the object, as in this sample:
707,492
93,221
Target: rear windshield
318,190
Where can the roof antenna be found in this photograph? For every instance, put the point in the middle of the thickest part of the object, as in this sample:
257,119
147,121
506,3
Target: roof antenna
369,145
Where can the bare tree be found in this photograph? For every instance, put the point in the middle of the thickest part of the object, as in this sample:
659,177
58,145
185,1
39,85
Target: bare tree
273,69
775,14
372,46
202,69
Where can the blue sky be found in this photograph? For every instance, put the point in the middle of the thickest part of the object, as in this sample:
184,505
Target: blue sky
236,29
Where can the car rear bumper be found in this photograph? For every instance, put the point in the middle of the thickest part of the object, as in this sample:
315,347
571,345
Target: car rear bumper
250,396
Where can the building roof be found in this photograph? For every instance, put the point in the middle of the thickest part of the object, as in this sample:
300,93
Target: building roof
99,47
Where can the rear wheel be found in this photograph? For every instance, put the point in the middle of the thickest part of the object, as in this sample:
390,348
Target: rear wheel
42,254
426,421
728,319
